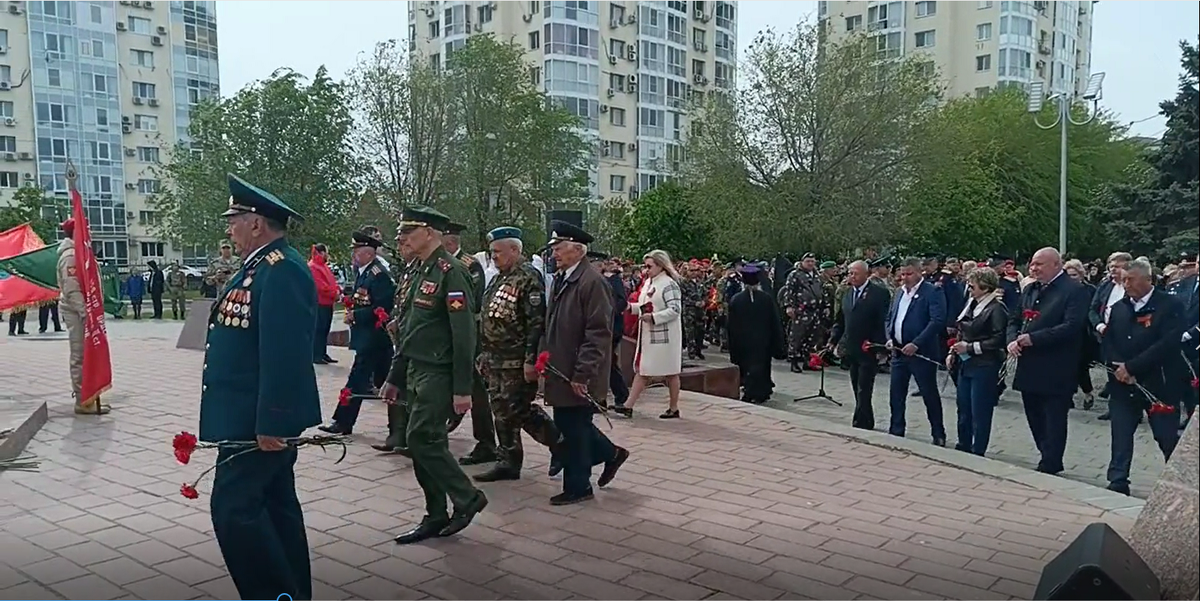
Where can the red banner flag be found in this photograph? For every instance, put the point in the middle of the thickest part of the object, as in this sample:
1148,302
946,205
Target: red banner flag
17,293
97,364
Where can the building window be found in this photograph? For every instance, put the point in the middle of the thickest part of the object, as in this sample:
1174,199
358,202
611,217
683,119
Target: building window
100,83
534,8
6,73
983,4
725,15
53,78
10,179
676,61
147,186
616,48
571,77
854,23
652,122
725,45
485,13
54,42
616,150
148,218
93,48
54,113
435,29
983,32
697,68
616,13
588,111
152,249
926,8
140,25
145,122
983,62
723,75
8,143
652,90
455,20
102,117
142,58
4,38
925,39
535,40
102,184
147,154
143,90
97,14
101,151
699,36
6,108
676,29
571,40
535,76
677,5
616,82
927,69
616,117
888,46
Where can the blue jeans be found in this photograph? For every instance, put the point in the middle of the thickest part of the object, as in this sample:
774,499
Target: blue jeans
978,393
905,369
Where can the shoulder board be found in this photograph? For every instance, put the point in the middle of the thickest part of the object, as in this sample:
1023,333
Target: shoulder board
444,265
946,271
376,270
273,257
467,259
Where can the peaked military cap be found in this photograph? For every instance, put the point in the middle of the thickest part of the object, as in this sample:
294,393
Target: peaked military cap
366,238
419,216
750,274
561,231
828,265
932,257
504,233
245,197
808,256
597,255
1000,259
454,228
1187,257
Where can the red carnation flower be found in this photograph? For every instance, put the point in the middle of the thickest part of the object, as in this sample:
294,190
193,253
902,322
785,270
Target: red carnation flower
1158,407
184,444
381,317
647,308
543,360
348,301
189,492
344,397
950,343
1030,314
866,346
815,362
1195,382
182,456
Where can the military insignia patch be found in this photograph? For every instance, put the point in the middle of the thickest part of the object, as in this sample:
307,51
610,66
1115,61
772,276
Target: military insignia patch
274,257
467,259
456,301
376,270
428,287
535,299
444,265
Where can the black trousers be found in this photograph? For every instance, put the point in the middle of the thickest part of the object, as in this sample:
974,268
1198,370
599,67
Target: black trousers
321,332
156,302
370,369
584,447
16,322
1085,376
1047,419
45,313
259,525
616,380
862,382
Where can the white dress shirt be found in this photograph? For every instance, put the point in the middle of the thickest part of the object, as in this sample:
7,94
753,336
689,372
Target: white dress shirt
906,297
1138,303
1115,296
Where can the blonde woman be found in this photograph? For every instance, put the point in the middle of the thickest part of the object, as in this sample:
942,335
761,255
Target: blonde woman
659,352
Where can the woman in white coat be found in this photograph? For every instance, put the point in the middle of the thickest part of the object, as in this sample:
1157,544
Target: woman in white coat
659,351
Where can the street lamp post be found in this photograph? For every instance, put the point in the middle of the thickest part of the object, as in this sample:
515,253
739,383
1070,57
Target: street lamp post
1093,93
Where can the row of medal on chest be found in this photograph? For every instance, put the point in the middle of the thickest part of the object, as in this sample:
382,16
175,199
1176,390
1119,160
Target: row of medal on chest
234,311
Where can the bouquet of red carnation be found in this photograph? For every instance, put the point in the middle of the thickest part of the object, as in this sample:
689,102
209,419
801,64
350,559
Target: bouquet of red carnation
381,317
344,397
1030,314
348,301
950,343
185,443
815,362
542,366
1158,407
647,308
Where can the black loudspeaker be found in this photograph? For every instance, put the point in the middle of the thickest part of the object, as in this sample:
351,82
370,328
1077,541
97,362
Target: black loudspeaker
574,218
1098,565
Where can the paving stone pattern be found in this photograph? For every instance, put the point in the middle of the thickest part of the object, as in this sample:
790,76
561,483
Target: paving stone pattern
723,504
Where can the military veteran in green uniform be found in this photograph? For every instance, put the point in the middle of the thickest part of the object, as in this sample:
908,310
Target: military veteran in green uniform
259,385
437,337
513,319
373,292
483,426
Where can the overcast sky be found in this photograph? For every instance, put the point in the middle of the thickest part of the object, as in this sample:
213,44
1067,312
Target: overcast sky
1134,42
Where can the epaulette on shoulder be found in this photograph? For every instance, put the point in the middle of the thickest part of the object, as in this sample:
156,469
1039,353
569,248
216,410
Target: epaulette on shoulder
273,257
467,259
444,265
376,270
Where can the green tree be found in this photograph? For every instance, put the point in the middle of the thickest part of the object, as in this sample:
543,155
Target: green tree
808,154
1159,214
31,204
515,154
286,134
664,218
990,178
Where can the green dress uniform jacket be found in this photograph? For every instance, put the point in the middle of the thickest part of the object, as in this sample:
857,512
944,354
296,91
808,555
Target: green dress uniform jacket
437,327
258,374
373,289
478,277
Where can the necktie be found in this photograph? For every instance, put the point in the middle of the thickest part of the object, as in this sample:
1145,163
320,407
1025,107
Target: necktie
560,279
857,294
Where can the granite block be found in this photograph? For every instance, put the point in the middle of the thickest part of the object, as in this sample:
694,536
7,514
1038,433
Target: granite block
20,420
194,334
1167,531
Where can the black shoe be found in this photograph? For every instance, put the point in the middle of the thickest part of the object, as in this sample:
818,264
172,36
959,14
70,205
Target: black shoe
329,359
336,428
42,331
1049,470
670,414
320,362
567,498
796,369
427,529
392,450
1119,488
1104,416
915,395
499,473
555,469
939,442
477,457
59,330
959,447
623,411
700,356
610,468
462,517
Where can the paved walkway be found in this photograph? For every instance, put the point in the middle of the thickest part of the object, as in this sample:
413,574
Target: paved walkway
731,502
1088,439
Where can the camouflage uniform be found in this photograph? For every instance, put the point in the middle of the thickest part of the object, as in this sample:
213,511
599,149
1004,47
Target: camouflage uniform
220,270
804,299
825,318
483,426
693,317
513,318
177,291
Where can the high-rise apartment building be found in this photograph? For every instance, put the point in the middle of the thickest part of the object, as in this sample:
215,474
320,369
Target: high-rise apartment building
977,46
110,86
627,69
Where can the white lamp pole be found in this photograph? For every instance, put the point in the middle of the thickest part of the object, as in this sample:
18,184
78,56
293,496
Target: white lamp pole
1093,93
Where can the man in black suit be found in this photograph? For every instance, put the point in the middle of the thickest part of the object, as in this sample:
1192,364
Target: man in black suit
1046,339
859,321
1184,367
1106,295
1143,331
156,286
612,273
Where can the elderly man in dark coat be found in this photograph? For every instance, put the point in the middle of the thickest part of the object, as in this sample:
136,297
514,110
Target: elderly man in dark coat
578,338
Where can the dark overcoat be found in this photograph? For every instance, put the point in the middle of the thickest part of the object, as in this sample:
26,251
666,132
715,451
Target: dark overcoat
579,337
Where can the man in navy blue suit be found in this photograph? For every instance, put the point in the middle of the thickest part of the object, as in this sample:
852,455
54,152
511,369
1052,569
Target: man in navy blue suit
1046,336
1184,366
1139,347
915,324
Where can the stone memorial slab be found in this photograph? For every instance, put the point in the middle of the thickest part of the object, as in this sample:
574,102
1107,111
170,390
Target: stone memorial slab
20,419
1168,530
195,328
